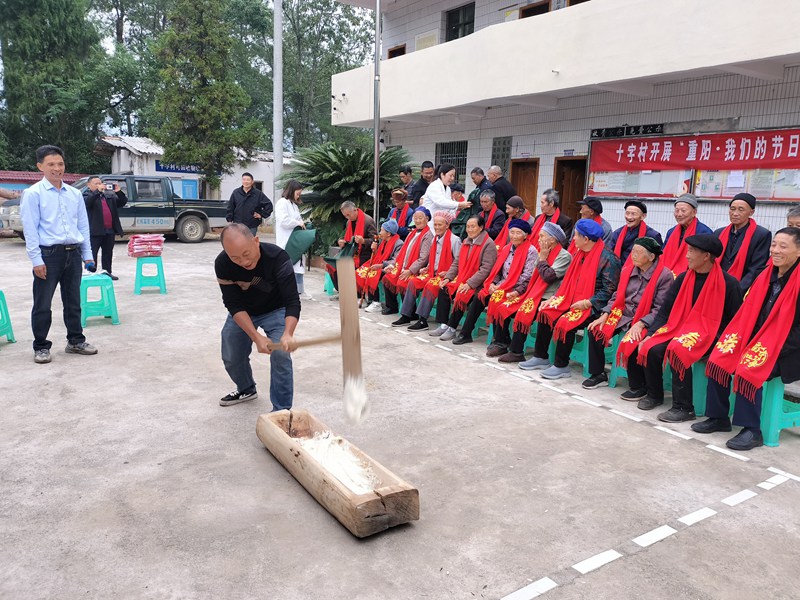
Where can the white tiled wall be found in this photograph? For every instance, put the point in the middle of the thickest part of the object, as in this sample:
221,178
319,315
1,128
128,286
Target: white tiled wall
717,102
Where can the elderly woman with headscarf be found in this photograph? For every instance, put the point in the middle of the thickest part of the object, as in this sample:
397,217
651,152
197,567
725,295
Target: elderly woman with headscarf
642,289
384,252
467,274
444,251
507,281
412,257
550,269
591,279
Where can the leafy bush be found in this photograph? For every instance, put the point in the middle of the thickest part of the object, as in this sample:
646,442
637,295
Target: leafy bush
335,174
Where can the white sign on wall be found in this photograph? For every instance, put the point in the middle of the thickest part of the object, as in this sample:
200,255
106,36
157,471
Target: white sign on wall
426,40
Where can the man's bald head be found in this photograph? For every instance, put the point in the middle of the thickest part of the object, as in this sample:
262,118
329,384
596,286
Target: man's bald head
241,246
235,229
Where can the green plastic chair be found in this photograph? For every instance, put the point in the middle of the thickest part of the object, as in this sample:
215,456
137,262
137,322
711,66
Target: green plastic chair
106,306
5,320
156,280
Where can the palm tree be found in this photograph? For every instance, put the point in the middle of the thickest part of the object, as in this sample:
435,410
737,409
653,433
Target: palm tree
334,174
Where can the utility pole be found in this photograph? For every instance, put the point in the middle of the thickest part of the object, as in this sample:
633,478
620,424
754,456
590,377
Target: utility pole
377,113
277,97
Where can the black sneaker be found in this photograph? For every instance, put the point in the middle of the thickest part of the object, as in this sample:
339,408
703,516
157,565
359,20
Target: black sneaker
113,277
711,425
462,339
420,325
595,381
676,415
403,320
633,395
388,311
236,397
648,403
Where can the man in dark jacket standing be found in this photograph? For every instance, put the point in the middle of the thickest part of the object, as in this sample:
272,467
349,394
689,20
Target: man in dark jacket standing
502,188
102,207
248,205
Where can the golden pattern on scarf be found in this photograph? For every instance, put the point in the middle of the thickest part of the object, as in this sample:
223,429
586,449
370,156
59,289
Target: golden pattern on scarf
555,301
728,344
498,296
423,277
614,317
435,280
573,315
497,246
627,337
528,305
688,340
512,302
755,356
392,271
661,330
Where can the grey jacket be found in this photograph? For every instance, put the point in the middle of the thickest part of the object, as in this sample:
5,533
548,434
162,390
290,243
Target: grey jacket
488,258
424,251
527,271
634,292
555,273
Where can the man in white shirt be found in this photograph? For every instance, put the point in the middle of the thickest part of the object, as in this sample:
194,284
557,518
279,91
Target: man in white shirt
56,231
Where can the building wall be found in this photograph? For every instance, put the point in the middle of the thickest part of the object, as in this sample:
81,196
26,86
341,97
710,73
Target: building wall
714,103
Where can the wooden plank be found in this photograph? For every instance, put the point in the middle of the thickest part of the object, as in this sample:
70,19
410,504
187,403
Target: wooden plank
393,503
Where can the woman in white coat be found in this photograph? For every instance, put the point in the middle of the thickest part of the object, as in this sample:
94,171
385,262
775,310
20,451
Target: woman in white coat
287,218
437,197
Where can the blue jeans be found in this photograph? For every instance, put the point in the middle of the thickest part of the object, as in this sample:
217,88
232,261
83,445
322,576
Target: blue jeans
64,270
298,277
236,348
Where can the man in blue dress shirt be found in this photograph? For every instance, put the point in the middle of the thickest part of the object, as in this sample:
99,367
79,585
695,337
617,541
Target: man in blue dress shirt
57,239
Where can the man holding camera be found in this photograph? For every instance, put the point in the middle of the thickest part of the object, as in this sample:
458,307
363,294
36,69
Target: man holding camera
102,203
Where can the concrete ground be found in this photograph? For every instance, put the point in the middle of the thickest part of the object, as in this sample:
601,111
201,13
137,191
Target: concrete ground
122,477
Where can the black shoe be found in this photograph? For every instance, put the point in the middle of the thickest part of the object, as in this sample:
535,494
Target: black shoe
113,277
633,395
236,397
420,325
712,425
512,357
677,415
388,311
595,381
495,350
462,339
648,403
746,439
403,320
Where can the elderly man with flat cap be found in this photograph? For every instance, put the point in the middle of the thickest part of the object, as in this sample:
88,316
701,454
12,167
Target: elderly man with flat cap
622,239
697,309
592,208
746,243
401,211
515,209
685,213
591,279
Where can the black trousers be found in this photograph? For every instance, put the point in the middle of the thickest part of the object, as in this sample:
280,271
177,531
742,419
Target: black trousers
443,304
541,349
474,310
105,243
718,406
64,269
597,363
682,396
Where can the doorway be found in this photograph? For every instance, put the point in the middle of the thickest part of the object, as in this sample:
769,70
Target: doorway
569,181
524,176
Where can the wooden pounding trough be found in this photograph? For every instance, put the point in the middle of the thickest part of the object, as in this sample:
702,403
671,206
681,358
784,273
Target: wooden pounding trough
393,502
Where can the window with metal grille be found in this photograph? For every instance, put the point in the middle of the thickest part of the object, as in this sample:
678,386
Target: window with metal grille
454,153
460,22
501,153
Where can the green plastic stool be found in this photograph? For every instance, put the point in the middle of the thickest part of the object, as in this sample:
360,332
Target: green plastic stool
776,412
106,306
5,320
156,280
329,289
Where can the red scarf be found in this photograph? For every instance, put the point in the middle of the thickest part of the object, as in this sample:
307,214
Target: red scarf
411,248
539,223
621,239
605,333
674,255
498,309
401,216
529,302
420,282
502,237
579,284
369,274
690,329
359,231
469,261
737,268
572,249
752,362
490,218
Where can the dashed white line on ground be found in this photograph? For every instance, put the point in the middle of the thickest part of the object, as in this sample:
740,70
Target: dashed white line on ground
727,452
443,347
697,516
656,535
520,376
739,497
469,356
596,561
421,339
586,400
552,387
626,415
537,588
671,432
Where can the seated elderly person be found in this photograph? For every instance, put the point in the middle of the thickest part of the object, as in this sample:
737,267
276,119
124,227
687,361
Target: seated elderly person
588,284
411,258
444,251
401,212
467,274
360,230
622,239
550,269
492,214
761,342
506,282
384,252
642,288
515,209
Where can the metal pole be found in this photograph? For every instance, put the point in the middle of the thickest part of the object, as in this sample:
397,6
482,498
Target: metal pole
377,113
277,97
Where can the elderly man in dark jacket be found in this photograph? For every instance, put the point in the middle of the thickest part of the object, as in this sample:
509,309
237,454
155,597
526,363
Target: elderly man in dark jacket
248,205
102,206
